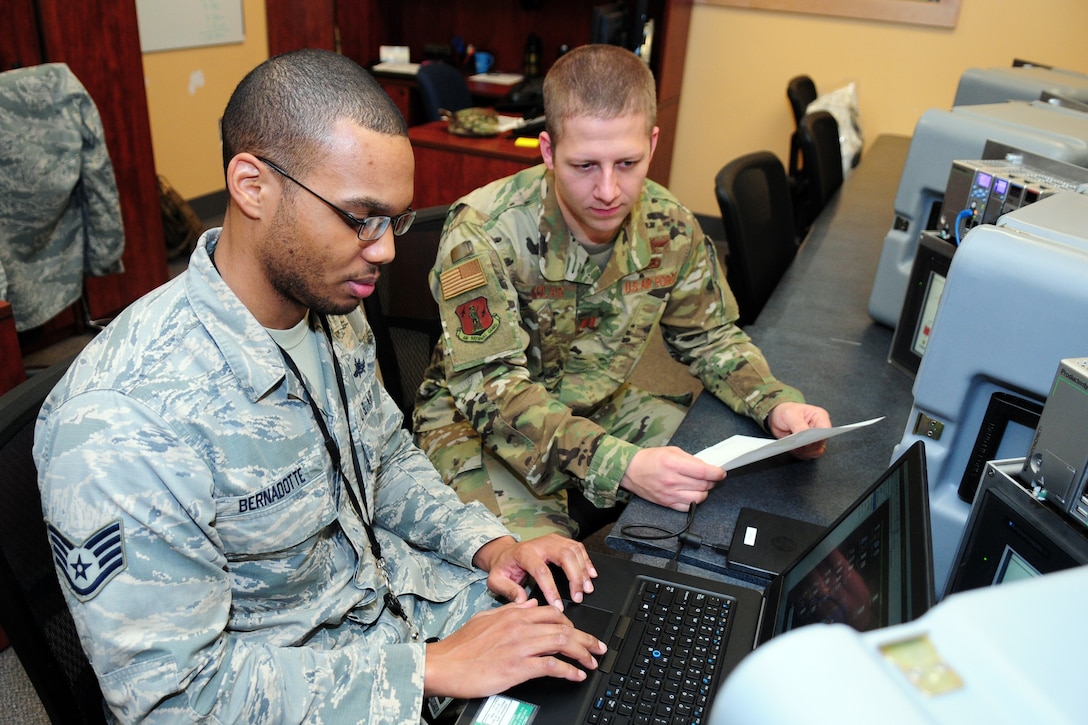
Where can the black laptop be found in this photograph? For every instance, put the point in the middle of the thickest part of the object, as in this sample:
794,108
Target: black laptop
674,637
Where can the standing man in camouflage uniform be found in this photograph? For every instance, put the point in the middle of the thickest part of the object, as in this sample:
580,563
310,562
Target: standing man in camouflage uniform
242,530
550,282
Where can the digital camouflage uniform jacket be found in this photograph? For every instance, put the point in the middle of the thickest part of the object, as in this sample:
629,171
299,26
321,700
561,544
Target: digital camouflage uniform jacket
535,334
60,213
214,566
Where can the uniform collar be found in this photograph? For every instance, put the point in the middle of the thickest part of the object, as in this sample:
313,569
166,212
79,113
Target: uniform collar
246,346
562,258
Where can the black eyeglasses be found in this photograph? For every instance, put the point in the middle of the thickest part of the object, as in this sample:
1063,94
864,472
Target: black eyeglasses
367,228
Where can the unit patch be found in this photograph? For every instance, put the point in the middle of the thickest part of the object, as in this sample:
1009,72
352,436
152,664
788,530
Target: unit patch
477,321
88,566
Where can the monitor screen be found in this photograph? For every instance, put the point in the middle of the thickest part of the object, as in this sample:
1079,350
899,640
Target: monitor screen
928,275
1013,567
924,325
873,567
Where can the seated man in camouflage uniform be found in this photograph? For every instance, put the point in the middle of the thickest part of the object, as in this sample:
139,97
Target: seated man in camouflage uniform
549,283
245,533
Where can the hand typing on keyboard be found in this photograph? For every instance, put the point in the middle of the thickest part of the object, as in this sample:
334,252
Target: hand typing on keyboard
499,648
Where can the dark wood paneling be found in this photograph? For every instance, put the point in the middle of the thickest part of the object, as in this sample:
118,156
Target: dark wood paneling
293,24
20,45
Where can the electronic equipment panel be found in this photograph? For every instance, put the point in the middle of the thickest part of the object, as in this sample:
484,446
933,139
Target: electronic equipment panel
1013,534
1058,459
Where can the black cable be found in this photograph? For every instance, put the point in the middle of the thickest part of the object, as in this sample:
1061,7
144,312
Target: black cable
683,537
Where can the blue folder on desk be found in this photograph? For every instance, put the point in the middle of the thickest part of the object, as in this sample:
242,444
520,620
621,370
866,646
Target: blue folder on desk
873,567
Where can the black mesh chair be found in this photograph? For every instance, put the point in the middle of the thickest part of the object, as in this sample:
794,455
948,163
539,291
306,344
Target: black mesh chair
757,215
441,86
33,612
822,153
402,312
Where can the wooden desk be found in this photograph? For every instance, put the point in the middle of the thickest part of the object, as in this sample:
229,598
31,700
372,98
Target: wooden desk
450,166
816,333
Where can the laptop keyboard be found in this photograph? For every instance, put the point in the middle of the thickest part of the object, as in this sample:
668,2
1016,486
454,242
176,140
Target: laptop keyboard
662,662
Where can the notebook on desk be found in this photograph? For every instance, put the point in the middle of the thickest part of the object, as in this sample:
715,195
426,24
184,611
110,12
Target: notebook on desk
871,568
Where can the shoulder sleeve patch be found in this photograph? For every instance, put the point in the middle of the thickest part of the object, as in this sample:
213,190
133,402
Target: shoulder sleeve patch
88,566
477,325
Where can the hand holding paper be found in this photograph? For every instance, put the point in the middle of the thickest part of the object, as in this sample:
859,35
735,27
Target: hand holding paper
738,450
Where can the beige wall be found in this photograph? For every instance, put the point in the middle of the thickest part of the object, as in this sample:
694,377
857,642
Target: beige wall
186,93
734,95
739,61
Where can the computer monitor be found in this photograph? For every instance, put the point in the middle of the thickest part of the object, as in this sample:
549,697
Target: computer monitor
1012,535
610,24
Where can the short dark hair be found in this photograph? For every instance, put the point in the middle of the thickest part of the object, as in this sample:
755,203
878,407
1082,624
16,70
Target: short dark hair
285,107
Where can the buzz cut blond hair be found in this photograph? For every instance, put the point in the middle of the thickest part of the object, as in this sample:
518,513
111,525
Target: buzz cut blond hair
598,81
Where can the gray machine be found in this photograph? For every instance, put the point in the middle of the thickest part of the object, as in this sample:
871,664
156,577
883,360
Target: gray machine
1023,83
941,137
1015,302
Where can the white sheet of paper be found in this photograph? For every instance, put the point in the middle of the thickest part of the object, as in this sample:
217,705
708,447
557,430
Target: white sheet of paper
737,451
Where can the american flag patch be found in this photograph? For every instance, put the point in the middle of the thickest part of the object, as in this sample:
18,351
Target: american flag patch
462,278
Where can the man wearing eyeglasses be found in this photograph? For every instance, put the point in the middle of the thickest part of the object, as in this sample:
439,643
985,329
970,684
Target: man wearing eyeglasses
241,527
550,283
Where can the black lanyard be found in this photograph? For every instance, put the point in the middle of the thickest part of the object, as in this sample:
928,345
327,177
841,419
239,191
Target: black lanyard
358,499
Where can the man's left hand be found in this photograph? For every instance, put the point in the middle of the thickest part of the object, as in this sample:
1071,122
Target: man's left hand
787,418
510,563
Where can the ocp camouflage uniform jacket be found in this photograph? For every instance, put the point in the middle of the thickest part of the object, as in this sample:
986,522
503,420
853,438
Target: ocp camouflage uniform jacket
535,334
232,580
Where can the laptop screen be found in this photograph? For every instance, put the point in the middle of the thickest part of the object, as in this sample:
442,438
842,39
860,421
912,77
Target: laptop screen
873,567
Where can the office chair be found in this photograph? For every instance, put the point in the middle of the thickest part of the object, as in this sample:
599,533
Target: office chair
402,312
757,215
801,91
442,86
33,612
822,154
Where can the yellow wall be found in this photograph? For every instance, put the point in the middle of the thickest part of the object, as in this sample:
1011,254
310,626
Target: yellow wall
739,62
186,93
734,95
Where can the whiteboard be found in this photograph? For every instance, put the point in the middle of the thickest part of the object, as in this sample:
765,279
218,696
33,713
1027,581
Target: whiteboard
172,24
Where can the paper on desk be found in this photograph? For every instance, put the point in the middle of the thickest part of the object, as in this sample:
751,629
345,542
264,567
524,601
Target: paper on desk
501,79
737,451
509,123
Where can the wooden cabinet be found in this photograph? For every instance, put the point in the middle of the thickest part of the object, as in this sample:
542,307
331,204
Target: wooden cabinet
404,94
358,29
100,42
449,166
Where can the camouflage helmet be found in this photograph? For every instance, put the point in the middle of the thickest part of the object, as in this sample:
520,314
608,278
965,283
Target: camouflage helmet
472,121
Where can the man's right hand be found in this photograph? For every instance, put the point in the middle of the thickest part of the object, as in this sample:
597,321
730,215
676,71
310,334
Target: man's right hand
670,477
502,647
